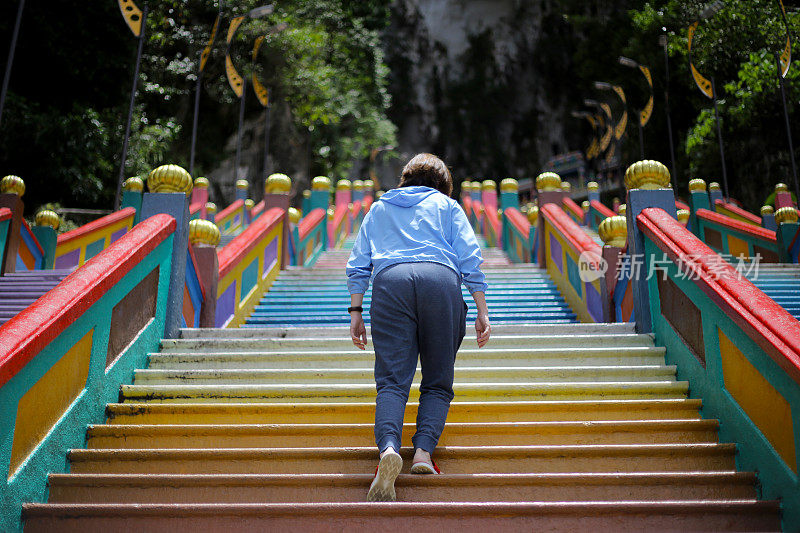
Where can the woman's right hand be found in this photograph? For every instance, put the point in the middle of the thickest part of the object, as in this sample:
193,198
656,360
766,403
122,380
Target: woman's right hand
483,329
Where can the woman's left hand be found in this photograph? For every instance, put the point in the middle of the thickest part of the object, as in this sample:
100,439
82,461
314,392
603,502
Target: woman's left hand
358,332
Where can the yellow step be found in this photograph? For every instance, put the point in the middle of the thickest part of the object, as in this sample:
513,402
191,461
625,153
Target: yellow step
455,434
364,412
360,393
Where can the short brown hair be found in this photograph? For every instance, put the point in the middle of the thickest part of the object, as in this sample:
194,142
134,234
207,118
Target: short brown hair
429,171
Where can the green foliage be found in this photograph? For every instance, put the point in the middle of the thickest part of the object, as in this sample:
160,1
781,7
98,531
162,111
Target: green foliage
736,47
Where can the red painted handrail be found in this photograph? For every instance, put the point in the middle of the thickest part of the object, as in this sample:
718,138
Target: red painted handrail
5,213
739,212
310,222
518,220
572,206
236,250
195,207
571,231
356,208
34,328
368,200
257,209
494,220
768,324
238,204
96,225
467,205
737,225
606,212
681,205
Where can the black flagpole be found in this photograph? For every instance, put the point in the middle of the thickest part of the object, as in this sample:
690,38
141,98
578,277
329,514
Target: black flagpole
788,127
241,126
10,60
130,108
719,137
196,118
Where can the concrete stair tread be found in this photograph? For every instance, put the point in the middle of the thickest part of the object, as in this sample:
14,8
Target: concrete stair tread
364,411
677,515
319,488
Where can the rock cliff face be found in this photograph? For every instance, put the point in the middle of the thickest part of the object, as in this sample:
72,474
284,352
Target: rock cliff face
477,82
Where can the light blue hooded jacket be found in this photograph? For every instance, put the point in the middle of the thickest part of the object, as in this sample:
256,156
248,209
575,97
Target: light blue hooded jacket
414,225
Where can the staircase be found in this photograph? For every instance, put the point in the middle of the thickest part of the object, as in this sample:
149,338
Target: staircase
555,426
319,296
18,290
781,282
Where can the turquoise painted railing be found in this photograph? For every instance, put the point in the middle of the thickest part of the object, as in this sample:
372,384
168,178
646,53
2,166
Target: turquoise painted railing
519,236
64,357
737,348
739,239
30,255
247,267
310,238
572,260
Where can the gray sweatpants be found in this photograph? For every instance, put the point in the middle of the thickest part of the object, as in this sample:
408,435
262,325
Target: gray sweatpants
417,311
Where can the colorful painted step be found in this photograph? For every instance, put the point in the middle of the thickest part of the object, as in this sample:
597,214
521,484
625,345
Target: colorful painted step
555,426
319,296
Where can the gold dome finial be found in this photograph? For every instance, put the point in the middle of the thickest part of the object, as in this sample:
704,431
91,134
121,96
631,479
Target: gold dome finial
647,175
331,212
593,186
46,217
566,186
714,186
12,184
683,216
622,209
242,185
201,183
614,231
781,187
697,185
379,194
249,204
169,178
585,205
533,214
134,184
321,183
358,185
278,184
294,215
548,181
489,185
786,215
203,232
509,185
369,185
211,207
306,194
343,185
767,210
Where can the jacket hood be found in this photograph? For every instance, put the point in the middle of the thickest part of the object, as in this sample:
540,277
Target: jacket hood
407,196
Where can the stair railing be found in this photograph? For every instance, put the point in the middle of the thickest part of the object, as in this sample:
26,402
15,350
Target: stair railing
573,261
309,238
737,213
75,247
64,357
247,267
232,218
739,350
